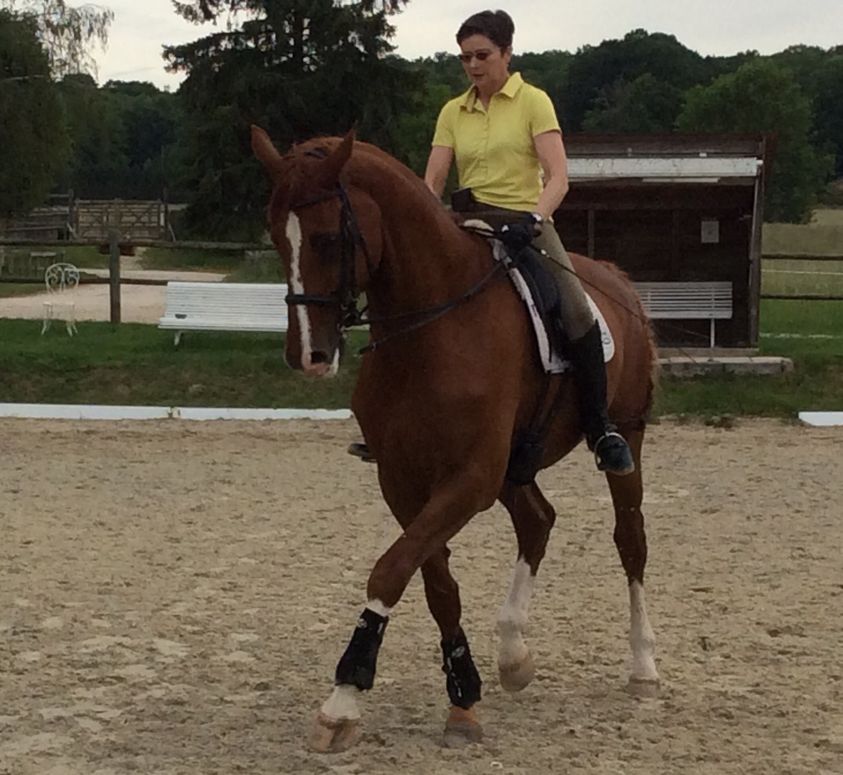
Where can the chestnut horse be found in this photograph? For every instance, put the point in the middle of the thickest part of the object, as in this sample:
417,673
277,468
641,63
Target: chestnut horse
450,378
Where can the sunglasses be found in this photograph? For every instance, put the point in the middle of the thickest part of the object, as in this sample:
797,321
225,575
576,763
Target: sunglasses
480,56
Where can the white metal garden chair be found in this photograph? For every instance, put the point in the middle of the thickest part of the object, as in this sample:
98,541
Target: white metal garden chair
61,281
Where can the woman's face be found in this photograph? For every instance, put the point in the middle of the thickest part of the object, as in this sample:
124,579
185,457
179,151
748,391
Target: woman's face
484,62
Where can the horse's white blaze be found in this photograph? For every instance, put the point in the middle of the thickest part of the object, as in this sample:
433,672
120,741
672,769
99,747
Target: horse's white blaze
342,704
641,637
512,618
294,238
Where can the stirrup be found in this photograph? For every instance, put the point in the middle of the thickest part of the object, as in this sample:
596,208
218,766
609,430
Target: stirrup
361,449
613,455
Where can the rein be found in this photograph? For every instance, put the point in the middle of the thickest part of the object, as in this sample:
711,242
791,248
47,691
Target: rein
346,296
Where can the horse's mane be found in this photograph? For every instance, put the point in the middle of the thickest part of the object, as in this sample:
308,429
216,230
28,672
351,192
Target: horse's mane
367,164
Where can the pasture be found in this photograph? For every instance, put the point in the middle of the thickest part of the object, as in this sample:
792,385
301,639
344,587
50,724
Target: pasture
174,597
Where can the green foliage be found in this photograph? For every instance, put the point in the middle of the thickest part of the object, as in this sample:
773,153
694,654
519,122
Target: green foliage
547,70
646,104
415,129
595,70
34,142
138,365
762,97
296,67
816,382
828,107
129,148
192,259
67,32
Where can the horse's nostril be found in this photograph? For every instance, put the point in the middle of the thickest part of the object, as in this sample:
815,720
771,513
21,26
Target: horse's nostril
318,356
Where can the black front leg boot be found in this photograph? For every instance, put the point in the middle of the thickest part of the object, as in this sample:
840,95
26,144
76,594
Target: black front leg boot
463,681
611,452
358,664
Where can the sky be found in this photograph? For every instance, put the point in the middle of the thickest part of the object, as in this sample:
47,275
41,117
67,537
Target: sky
710,27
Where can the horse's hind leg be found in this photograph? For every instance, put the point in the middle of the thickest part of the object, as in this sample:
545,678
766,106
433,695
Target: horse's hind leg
533,517
631,542
463,681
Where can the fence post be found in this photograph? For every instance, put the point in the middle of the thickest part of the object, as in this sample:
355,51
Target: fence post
114,274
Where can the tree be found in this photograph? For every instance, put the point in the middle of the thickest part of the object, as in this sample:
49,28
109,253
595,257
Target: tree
124,138
595,70
150,122
298,68
819,74
828,107
33,141
646,104
763,97
67,32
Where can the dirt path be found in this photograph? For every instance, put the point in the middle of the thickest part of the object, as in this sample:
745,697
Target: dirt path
174,597
138,303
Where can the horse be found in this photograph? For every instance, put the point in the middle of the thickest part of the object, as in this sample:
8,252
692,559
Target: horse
449,380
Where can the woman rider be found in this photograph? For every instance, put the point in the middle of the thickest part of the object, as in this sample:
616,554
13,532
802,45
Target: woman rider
507,143
505,138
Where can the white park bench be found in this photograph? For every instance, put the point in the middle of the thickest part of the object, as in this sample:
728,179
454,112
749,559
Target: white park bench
693,300
224,307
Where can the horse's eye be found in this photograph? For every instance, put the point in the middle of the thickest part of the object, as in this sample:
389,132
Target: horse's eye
325,243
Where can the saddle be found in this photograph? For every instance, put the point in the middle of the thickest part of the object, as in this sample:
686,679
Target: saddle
539,291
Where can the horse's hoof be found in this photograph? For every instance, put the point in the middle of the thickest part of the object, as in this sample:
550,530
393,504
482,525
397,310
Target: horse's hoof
333,735
462,728
644,688
515,677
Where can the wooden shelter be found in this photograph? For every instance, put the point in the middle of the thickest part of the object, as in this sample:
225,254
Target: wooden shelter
674,209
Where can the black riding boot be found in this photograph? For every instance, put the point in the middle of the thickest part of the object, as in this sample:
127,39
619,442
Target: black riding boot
611,452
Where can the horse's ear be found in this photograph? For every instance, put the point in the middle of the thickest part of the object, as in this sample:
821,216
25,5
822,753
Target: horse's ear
329,170
265,151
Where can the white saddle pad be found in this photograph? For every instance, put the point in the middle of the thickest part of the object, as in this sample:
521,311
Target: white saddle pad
553,363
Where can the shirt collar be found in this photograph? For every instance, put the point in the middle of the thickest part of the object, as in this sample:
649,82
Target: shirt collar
509,89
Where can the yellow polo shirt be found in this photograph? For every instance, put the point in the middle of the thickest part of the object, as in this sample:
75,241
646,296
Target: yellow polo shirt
494,149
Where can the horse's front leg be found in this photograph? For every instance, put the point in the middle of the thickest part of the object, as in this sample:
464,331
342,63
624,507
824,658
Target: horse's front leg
449,508
631,542
533,517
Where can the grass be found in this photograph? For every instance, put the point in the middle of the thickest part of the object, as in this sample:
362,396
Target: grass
822,236
20,289
137,364
810,333
194,260
803,277
260,267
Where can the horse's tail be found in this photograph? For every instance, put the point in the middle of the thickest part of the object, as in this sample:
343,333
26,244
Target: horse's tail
652,348
637,310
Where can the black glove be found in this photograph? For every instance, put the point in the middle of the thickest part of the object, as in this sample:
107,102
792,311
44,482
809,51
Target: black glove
516,236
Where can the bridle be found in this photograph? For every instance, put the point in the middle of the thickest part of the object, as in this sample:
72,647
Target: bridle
346,297
347,294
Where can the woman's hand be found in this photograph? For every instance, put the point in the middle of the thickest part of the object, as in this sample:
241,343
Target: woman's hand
516,236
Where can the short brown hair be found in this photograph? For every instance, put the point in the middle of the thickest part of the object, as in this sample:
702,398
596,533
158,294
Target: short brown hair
497,26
